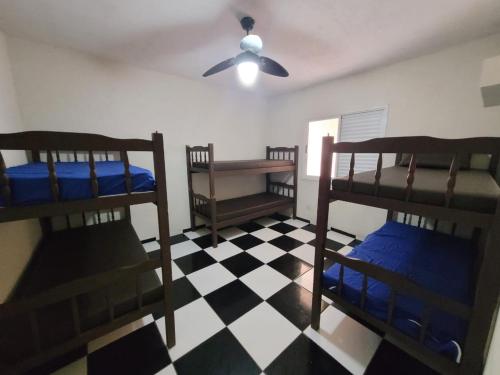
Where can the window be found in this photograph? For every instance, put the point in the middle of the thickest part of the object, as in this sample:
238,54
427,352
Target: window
352,127
316,131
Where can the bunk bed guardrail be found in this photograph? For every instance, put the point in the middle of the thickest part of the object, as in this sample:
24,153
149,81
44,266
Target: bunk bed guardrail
479,315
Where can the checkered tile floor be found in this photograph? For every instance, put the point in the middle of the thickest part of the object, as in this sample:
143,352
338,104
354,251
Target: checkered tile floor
244,308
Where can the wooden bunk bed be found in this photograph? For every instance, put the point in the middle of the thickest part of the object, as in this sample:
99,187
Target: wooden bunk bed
278,196
434,295
93,276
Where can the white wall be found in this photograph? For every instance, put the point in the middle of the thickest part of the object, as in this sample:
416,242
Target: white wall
60,89
437,95
17,239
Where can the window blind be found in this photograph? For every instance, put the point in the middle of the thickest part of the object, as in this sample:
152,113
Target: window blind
357,127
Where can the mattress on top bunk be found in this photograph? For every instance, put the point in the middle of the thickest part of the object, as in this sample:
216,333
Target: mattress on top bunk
245,164
235,207
435,261
475,190
30,183
68,255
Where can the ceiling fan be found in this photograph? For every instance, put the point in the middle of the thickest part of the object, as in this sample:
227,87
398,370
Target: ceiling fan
249,62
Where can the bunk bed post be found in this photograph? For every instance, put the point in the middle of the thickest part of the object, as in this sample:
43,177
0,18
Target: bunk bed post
190,187
163,227
485,303
211,179
321,227
295,179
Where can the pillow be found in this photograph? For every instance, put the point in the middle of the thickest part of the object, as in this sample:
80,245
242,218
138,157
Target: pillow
438,161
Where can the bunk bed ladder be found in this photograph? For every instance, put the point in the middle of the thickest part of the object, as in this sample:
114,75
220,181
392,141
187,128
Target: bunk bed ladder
5,182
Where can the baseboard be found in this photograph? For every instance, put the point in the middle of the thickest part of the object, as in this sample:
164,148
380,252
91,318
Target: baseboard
343,232
148,240
195,228
302,219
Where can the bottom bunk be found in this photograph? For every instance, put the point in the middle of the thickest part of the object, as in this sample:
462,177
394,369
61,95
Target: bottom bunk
80,281
434,261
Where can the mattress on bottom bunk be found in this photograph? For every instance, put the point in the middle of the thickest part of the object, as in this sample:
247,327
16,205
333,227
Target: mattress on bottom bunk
235,207
30,183
475,190
435,261
66,256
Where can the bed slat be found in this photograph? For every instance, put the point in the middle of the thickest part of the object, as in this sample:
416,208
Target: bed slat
411,176
35,330
54,186
378,174
138,288
109,303
126,164
5,182
93,175
341,280
364,291
452,178
351,172
76,316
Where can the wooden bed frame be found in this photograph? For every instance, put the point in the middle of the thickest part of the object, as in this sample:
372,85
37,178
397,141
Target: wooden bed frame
35,143
481,316
206,207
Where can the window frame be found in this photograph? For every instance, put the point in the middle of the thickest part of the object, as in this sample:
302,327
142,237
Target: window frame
304,174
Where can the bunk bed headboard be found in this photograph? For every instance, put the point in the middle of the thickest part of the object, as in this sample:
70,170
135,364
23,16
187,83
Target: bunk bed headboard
59,147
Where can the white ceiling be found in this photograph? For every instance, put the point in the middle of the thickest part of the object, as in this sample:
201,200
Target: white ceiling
315,40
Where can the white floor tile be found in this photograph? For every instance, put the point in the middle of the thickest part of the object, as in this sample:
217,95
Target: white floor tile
345,250
306,280
223,251
78,367
210,278
296,223
265,252
349,342
102,341
183,248
194,323
197,233
266,234
301,235
231,232
266,221
265,281
176,272
264,333
151,246
169,370
339,237
304,252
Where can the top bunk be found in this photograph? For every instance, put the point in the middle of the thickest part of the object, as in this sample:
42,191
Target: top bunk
75,172
278,159
431,177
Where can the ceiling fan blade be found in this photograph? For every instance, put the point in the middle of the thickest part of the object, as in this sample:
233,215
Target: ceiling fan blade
220,67
270,66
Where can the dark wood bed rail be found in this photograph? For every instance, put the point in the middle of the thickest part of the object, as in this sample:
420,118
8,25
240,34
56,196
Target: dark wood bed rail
202,205
282,188
282,153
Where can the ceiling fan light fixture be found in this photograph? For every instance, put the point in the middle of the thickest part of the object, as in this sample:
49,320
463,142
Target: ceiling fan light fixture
247,72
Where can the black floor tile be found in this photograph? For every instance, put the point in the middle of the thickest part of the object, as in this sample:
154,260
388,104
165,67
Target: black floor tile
250,227
294,303
140,352
155,254
241,264
329,244
310,227
355,243
194,262
232,301
247,241
290,266
304,357
283,228
279,217
183,292
390,360
220,354
59,362
286,243
178,239
206,241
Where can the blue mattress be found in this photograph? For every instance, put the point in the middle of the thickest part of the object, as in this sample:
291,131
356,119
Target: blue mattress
30,182
435,261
